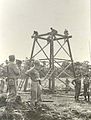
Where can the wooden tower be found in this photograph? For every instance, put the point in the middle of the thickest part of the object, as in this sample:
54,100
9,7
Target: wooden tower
51,38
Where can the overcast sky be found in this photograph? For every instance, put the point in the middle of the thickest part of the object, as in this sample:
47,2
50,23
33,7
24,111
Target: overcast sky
19,18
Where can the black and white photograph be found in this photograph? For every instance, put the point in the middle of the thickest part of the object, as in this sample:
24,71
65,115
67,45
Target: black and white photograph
45,60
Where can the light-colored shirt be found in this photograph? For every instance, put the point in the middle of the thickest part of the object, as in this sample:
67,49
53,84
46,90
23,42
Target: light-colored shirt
33,74
12,70
86,80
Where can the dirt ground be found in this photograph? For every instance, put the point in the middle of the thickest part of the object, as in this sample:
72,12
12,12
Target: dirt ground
56,106
64,105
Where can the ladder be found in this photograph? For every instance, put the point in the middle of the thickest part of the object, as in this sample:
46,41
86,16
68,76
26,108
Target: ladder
49,74
21,84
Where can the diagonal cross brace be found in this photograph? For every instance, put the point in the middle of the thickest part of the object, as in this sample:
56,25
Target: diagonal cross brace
63,48
64,71
40,50
59,49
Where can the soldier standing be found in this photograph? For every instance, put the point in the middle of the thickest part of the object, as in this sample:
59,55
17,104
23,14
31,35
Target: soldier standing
4,77
86,84
33,73
13,72
18,63
77,83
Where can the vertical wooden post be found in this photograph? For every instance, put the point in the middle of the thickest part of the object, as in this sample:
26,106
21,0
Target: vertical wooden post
71,57
33,49
52,62
35,38
66,35
52,79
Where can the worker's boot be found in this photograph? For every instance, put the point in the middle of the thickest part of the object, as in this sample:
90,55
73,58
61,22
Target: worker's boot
85,98
88,98
76,99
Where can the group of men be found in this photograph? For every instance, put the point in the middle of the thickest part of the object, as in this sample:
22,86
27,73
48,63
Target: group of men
13,72
86,87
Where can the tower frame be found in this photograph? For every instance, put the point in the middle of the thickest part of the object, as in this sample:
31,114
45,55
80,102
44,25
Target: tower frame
51,37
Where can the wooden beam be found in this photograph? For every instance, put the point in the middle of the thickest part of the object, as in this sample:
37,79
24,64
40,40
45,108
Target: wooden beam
40,50
63,59
64,36
60,48
33,49
71,57
63,68
44,34
63,48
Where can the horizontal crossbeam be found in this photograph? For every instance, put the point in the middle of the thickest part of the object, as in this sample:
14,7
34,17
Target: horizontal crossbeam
55,39
63,59
44,34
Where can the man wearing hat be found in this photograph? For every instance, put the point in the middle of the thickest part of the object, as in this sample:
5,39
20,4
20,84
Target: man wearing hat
12,73
19,62
86,84
33,73
77,83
